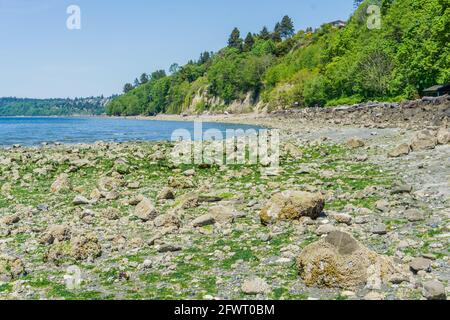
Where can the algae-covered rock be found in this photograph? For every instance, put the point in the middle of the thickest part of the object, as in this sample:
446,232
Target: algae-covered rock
292,205
340,261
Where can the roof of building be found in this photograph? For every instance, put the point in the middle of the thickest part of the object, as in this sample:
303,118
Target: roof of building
438,87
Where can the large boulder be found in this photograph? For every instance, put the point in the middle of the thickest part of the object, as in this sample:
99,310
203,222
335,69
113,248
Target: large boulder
292,205
340,261
424,140
61,184
85,247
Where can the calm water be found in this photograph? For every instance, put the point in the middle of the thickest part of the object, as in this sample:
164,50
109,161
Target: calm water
33,131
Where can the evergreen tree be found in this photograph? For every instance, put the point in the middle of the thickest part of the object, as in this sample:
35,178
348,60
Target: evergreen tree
357,3
174,68
204,57
286,27
127,87
136,83
158,75
235,40
144,78
249,42
276,35
264,34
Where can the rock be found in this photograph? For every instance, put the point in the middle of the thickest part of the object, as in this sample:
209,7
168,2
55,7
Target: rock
136,200
111,213
166,194
113,195
424,140
401,150
222,214
355,143
420,264
61,184
167,220
106,184
189,173
169,248
379,229
443,136
11,268
342,218
85,247
43,207
404,188
145,210
59,232
414,215
96,194
374,296
204,220
80,200
325,229
133,185
255,286
180,183
434,290
382,205
10,220
292,205
339,261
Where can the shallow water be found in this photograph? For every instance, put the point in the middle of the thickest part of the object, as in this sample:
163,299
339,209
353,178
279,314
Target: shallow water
34,131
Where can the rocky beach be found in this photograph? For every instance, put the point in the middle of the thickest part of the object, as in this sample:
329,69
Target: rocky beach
360,209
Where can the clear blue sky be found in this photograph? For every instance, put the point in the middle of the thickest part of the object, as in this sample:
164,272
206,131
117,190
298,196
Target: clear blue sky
40,57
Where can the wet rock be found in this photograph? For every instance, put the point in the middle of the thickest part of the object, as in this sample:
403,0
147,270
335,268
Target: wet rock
255,286
145,210
292,205
434,290
339,261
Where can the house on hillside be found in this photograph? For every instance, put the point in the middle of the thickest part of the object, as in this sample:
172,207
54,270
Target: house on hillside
338,24
437,91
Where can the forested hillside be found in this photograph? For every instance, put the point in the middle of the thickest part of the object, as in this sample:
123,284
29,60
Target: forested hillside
52,107
327,66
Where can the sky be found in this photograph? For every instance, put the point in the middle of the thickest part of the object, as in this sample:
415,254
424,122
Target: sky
119,40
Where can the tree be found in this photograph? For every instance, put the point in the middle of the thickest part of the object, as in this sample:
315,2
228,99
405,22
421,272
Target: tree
144,78
286,27
127,87
174,68
235,40
357,3
204,57
136,83
158,74
249,42
276,35
264,34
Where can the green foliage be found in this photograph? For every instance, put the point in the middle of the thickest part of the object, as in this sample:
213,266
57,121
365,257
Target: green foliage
52,107
328,66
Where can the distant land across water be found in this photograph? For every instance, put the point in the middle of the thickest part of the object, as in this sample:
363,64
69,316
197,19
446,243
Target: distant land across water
33,131
13,107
